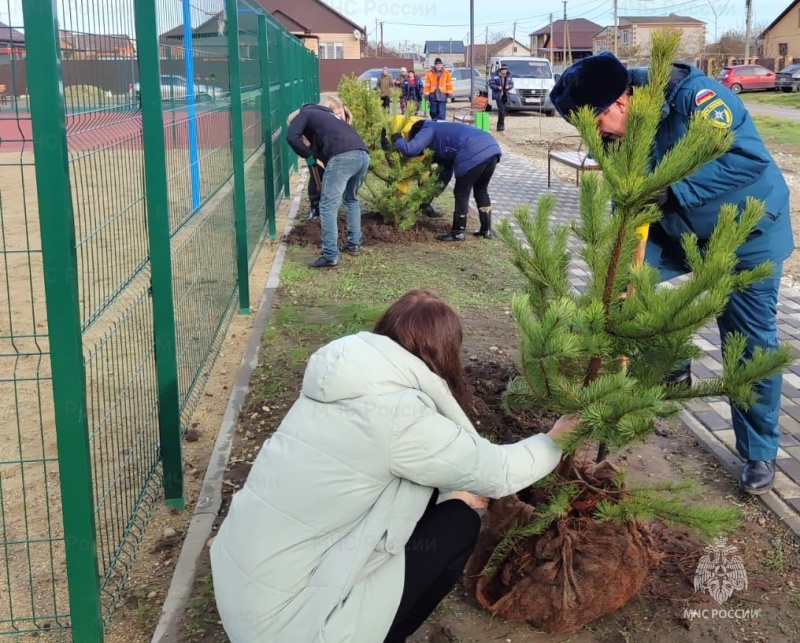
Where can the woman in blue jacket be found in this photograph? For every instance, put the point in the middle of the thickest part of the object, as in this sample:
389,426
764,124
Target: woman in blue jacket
692,206
466,152
411,92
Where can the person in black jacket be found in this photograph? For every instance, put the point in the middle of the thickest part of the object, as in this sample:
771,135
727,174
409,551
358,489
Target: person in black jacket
337,147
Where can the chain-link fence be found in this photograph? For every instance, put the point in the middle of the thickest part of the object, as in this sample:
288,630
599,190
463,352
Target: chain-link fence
140,174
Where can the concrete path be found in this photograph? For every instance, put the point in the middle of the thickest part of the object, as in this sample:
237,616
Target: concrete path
517,181
774,111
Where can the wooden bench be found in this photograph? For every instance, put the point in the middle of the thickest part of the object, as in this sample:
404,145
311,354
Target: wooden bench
578,159
467,116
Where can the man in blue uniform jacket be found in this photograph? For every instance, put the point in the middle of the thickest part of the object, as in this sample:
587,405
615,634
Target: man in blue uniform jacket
466,152
692,205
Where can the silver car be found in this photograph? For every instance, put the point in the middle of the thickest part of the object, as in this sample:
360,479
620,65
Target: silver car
175,88
461,77
373,74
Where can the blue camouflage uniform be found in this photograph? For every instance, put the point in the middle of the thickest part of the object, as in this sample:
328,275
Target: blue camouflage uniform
746,170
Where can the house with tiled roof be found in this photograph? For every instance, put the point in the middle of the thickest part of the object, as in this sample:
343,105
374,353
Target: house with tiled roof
76,45
503,47
634,34
321,28
452,52
564,41
781,39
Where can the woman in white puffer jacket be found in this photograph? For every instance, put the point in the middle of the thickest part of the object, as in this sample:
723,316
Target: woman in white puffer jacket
346,531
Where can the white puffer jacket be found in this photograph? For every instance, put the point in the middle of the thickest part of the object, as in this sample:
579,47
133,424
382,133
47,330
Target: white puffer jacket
312,549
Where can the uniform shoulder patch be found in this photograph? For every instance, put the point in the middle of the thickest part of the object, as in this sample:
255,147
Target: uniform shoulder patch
703,96
718,113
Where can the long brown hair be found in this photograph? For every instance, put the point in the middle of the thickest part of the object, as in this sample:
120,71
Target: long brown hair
422,323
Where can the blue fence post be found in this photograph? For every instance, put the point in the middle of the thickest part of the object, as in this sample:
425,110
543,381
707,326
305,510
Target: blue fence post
191,108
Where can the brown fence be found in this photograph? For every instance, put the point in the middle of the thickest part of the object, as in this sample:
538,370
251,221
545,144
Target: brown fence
331,71
116,76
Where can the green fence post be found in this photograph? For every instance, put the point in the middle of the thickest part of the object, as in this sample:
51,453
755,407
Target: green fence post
266,121
284,111
158,228
237,150
294,103
60,266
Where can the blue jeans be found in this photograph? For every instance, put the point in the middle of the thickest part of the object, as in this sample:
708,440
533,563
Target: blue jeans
438,110
343,177
754,314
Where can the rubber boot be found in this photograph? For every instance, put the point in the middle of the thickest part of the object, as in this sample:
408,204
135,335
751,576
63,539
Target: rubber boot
486,226
429,211
457,231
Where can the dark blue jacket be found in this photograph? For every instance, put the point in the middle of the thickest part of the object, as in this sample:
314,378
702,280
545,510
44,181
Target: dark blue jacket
413,92
457,148
328,134
496,84
746,170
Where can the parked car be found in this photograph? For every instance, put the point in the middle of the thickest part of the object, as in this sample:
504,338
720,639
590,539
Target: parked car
176,88
747,78
788,79
461,77
373,74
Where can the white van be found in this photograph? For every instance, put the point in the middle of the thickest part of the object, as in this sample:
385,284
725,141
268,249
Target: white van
533,80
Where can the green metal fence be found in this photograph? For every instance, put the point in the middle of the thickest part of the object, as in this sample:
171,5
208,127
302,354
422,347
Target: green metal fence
133,204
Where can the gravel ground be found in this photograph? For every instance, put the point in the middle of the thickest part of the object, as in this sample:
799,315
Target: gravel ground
530,134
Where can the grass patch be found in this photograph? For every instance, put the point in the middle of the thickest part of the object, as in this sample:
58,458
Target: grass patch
316,306
474,274
201,611
782,99
779,132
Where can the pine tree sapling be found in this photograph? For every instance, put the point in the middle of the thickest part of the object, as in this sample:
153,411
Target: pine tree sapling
396,186
577,545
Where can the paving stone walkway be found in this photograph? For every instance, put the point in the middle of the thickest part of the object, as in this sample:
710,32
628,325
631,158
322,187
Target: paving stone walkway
517,181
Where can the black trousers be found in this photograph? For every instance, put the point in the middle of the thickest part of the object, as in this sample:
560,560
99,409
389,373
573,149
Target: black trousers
386,100
477,182
501,111
436,555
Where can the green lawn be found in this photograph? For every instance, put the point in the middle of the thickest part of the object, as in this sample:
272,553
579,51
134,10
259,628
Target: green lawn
782,99
779,133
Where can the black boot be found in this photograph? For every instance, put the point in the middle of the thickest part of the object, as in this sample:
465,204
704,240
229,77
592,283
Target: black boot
429,211
457,231
486,226
757,477
681,376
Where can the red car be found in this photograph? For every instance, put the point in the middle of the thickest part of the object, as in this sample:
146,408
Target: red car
747,78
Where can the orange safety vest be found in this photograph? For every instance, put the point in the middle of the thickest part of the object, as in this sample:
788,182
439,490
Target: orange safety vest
444,82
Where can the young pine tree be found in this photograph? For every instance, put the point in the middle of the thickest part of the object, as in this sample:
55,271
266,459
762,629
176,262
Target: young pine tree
397,186
602,355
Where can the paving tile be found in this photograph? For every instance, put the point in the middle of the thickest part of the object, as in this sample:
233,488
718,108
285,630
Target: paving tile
789,442
790,467
712,420
713,413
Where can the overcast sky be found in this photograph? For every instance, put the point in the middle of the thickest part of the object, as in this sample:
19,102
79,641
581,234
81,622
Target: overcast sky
415,21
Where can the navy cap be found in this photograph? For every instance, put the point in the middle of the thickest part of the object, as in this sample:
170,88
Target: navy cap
596,81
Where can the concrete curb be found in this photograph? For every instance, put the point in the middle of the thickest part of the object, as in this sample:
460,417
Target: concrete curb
210,499
733,464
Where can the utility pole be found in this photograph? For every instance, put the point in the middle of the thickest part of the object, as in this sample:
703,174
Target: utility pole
471,50
381,39
748,27
486,50
376,36
514,38
615,26
566,52
551,40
